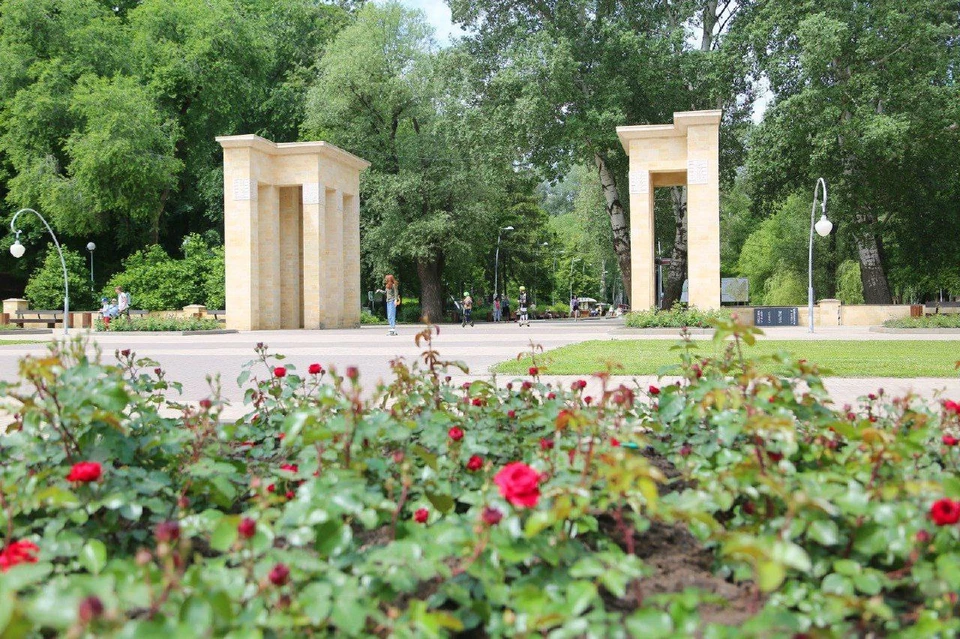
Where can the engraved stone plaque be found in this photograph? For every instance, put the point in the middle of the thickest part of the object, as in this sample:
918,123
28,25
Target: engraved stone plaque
697,172
241,190
639,182
311,193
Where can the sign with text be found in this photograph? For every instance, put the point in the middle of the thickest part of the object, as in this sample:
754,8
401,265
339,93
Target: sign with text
775,316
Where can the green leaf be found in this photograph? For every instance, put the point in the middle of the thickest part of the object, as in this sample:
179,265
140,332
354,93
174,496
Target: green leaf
580,596
317,601
824,532
536,523
93,556
869,583
426,456
443,503
650,623
770,575
225,533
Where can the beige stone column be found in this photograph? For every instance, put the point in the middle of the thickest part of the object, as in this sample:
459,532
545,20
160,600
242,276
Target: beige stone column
331,313
291,259
241,239
642,271
352,295
270,255
314,234
703,215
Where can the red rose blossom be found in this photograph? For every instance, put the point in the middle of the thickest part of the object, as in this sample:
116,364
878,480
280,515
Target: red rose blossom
205,403
247,528
614,442
455,433
18,552
526,386
315,369
653,390
519,484
477,401
421,515
280,371
475,463
167,531
546,444
685,450
511,413
491,516
279,575
293,468
90,608
588,400
353,373
534,371
951,406
945,511
579,384
774,456
950,440
85,472
551,395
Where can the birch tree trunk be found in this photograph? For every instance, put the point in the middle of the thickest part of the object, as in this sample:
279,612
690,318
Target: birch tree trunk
677,271
618,221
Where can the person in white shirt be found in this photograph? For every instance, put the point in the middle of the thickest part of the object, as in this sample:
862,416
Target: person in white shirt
123,302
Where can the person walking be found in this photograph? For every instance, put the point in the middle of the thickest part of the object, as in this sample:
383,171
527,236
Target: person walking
391,291
522,318
496,308
123,302
467,304
575,308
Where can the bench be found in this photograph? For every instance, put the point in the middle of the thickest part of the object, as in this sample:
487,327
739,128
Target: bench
218,314
47,318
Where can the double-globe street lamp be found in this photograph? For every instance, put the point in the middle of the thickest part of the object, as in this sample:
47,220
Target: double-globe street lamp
17,250
496,259
823,228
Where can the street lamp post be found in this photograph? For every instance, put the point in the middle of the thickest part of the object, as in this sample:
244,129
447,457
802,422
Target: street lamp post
17,250
823,228
496,259
91,247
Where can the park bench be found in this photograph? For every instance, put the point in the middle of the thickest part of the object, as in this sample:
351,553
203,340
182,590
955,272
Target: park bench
47,318
219,314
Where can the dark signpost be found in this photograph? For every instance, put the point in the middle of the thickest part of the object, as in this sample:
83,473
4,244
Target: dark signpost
775,316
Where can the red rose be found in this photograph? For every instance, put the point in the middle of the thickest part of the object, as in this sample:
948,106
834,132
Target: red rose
85,472
588,400
315,369
945,511
526,386
477,401
475,463
685,450
18,552
873,419
851,416
551,395
653,390
167,531
519,484
280,371
871,397
546,444
534,371
421,516
578,384
774,457
353,373
90,608
922,537
511,413
950,440
279,575
465,386
293,468
447,379
614,442
290,494
125,352
455,433
271,488
491,516
247,528
509,386
205,404
951,406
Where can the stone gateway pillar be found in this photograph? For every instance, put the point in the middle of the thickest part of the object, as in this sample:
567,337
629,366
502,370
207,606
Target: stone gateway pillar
292,234
685,153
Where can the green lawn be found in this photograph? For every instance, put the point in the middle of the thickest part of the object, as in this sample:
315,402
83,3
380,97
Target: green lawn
891,358
8,342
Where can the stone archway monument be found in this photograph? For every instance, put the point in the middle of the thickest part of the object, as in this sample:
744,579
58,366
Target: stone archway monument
292,234
685,153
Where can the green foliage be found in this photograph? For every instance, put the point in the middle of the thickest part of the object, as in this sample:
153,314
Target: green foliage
785,288
944,320
825,512
366,317
153,323
45,287
157,282
849,284
677,317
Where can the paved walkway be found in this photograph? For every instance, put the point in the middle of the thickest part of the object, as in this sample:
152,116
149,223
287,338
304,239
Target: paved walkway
189,359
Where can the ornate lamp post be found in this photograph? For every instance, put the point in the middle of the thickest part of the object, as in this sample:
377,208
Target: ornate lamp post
17,250
496,259
91,247
823,228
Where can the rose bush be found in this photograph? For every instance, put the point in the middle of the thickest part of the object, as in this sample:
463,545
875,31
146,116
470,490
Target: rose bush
411,510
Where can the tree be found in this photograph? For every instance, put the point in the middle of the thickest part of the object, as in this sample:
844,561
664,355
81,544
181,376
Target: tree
560,77
384,94
866,97
45,287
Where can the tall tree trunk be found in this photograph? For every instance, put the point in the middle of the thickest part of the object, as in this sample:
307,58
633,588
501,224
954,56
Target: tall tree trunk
677,271
431,289
876,290
618,221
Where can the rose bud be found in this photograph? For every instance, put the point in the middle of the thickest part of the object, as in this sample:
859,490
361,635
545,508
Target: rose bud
205,404
353,373
491,516
91,608
534,371
315,369
246,528
167,531
279,575
421,515
279,372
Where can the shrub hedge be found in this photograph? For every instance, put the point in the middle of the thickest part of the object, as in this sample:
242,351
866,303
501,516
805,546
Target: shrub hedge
730,504
156,324
930,321
677,317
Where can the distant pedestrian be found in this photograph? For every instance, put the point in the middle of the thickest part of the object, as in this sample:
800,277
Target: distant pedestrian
391,291
123,302
467,304
575,308
496,308
522,318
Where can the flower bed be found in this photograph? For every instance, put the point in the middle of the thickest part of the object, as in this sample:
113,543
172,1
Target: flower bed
733,504
951,320
153,323
677,317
